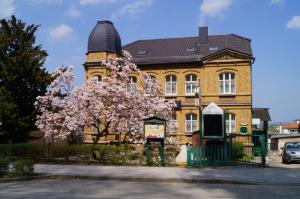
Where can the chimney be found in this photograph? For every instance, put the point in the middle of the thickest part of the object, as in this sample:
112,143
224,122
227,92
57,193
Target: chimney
203,35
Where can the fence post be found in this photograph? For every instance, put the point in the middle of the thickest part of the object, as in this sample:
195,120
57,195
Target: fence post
189,156
263,151
147,154
162,155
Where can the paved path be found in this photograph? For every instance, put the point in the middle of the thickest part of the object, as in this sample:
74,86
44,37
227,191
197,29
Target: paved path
91,189
169,174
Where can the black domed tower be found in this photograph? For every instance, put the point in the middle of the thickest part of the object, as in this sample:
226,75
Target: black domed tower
104,42
104,38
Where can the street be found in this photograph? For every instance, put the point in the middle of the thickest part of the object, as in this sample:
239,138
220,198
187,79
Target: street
78,188
276,162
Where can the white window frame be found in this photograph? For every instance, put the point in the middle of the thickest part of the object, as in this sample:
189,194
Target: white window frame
230,81
189,82
173,80
230,123
131,86
192,122
97,77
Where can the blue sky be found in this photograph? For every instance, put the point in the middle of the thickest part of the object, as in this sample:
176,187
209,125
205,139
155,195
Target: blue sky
273,26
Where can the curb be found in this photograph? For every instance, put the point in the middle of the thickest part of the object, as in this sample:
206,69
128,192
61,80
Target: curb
145,179
15,179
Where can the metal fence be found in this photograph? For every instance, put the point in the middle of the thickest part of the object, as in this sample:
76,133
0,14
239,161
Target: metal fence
235,149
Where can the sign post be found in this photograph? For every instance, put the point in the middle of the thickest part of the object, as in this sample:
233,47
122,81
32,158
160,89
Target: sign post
155,131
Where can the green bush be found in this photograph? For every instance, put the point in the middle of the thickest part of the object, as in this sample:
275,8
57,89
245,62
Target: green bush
4,162
24,150
237,150
23,168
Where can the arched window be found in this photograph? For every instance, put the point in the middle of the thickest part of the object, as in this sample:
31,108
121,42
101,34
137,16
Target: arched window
131,87
97,78
190,84
148,89
190,122
227,83
230,123
171,85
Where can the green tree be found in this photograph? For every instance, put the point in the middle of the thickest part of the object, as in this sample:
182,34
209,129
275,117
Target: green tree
22,78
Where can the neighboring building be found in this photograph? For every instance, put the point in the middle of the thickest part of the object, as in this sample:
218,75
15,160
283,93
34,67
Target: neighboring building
221,63
278,140
290,127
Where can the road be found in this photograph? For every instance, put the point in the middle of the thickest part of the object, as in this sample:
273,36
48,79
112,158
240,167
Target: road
89,189
275,162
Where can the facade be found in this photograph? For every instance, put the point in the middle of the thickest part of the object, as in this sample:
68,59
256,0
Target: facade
216,66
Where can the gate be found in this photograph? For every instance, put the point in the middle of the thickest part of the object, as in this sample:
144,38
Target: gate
235,149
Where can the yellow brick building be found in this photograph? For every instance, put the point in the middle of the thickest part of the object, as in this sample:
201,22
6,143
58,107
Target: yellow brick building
219,64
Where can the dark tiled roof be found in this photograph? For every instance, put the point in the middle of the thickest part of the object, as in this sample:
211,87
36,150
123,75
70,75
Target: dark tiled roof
285,135
261,113
174,50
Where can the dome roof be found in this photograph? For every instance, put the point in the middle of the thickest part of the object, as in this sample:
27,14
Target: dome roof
104,37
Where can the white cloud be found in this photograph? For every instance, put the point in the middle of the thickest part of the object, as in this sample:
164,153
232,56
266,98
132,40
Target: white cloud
87,2
276,1
45,1
213,8
294,23
73,12
131,8
61,31
7,8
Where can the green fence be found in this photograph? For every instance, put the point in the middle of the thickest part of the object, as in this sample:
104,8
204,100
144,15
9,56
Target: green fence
236,149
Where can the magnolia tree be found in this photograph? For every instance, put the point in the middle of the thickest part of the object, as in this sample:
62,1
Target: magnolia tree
107,105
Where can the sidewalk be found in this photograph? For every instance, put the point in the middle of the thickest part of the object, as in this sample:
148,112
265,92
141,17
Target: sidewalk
272,176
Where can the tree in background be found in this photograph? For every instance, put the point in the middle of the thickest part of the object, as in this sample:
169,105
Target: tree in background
108,105
22,78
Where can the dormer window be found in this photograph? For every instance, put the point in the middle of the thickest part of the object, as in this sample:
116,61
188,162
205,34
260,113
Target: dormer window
190,50
142,52
213,48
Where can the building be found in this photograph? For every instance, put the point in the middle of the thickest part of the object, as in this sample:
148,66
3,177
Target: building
219,64
290,127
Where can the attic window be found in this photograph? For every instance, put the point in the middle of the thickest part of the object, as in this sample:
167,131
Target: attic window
142,52
213,48
190,50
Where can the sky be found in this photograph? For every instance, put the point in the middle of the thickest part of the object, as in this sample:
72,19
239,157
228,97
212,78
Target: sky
272,25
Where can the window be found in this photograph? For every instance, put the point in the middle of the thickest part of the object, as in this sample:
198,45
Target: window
97,78
190,84
227,83
190,122
173,120
148,90
171,85
230,123
131,87
142,52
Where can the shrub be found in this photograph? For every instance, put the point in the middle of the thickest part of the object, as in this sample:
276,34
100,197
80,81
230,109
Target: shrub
24,150
237,150
23,167
4,162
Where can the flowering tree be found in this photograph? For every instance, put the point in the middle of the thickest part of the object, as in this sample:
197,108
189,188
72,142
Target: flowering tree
106,105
